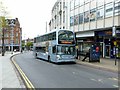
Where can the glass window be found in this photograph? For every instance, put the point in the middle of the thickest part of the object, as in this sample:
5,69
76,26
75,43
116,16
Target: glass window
117,8
76,19
86,16
65,35
71,21
92,15
109,10
81,18
100,12
67,50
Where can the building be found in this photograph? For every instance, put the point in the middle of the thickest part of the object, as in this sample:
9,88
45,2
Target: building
12,35
27,44
60,15
96,21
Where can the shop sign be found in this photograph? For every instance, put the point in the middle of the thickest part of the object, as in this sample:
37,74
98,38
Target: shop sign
104,33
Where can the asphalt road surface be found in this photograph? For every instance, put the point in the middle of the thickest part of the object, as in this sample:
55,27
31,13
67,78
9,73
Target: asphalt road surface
43,74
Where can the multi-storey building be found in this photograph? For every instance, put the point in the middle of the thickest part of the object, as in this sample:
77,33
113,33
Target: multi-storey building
12,35
60,15
96,21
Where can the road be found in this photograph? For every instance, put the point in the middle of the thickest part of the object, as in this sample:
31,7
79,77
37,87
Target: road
43,74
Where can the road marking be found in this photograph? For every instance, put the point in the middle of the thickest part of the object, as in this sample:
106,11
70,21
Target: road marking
116,79
93,79
27,81
115,86
98,80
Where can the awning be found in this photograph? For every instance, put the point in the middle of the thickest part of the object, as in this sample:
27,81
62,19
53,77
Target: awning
85,34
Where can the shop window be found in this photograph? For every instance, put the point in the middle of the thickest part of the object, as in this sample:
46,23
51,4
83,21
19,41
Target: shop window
100,12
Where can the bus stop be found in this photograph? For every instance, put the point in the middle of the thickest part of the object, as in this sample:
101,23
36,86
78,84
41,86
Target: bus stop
92,53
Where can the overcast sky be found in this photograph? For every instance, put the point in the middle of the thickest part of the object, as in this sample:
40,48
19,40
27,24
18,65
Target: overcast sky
32,15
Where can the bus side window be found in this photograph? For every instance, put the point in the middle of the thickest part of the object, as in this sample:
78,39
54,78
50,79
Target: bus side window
54,49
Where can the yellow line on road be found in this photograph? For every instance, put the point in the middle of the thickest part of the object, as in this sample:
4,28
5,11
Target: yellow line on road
27,81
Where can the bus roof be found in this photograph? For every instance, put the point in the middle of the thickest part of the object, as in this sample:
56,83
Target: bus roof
54,30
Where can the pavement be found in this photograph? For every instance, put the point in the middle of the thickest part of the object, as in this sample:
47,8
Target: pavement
104,64
11,79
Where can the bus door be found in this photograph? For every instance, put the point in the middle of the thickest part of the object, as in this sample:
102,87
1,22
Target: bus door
54,51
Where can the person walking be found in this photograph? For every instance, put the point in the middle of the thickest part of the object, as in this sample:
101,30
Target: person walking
87,55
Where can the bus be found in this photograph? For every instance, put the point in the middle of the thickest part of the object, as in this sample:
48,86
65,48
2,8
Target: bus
56,46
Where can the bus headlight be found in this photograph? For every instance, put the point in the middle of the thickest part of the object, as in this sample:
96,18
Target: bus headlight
58,57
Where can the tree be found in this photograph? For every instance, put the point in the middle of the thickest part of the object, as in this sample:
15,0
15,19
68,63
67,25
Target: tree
29,45
3,25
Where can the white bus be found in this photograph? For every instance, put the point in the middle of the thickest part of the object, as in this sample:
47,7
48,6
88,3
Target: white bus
55,46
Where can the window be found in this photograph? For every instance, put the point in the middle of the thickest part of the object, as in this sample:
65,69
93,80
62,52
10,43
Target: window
76,19
81,18
100,12
92,14
71,21
109,10
86,16
67,50
117,8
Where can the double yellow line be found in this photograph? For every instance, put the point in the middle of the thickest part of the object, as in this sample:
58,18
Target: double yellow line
26,80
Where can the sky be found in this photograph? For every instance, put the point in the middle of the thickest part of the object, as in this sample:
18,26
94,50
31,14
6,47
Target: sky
32,15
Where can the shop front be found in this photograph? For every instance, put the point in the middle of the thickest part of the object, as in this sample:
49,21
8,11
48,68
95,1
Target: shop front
117,42
104,37
84,40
